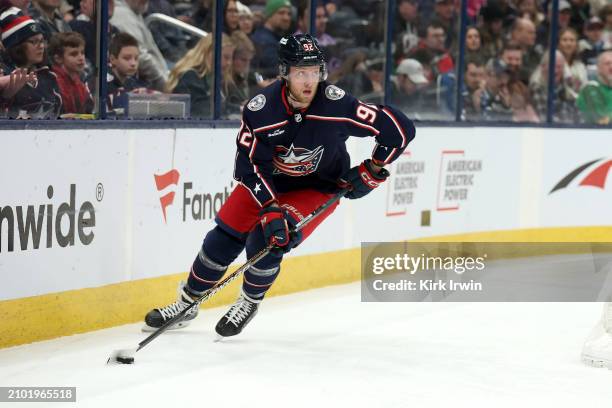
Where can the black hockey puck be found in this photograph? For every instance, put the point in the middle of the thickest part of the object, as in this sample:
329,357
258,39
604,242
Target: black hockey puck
125,360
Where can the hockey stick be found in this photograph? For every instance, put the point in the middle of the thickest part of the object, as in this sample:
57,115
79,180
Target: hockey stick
126,356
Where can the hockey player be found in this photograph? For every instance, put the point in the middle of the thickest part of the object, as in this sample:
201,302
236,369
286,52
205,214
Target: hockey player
291,158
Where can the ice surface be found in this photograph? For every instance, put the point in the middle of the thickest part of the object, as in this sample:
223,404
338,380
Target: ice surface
324,348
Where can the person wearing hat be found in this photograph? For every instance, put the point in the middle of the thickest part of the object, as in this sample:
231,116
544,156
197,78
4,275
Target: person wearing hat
245,18
593,44
406,92
266,37
25,48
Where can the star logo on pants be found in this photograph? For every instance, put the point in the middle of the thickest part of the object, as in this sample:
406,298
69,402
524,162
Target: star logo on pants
257,188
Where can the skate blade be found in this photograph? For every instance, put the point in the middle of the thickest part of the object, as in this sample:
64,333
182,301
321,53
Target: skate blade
219,339
147,329
596,362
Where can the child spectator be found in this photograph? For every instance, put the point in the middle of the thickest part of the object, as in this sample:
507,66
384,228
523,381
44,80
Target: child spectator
67,51
123,58
25,48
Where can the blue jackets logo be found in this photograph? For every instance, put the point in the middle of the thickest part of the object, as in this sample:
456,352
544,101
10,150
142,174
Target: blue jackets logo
296,161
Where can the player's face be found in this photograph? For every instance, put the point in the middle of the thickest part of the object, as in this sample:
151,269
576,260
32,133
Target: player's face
303,82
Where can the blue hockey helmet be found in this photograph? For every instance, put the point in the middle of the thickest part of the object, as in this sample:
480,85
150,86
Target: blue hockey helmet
300,50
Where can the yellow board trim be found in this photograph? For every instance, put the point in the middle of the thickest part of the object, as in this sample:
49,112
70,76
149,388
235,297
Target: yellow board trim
54,315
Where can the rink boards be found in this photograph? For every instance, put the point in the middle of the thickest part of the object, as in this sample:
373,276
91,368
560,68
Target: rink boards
97,226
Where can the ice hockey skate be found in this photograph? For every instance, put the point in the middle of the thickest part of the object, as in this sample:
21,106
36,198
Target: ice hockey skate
597,349
158,317
238,316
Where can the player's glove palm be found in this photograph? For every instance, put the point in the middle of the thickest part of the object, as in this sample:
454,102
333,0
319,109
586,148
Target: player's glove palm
362,179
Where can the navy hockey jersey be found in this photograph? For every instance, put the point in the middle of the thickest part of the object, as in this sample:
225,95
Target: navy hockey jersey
281,150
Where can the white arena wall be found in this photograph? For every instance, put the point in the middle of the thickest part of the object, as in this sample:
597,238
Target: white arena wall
85,242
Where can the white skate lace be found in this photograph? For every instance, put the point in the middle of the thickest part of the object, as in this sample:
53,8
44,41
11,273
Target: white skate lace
239,311
168,312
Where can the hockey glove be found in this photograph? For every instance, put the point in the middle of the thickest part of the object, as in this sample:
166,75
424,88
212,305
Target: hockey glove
275,225
362,179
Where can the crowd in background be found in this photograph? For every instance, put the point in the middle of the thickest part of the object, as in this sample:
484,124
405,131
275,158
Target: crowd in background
49,54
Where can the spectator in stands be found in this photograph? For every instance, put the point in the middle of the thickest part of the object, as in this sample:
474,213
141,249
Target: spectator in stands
266,38
192,75
13,81
23,5
444,13
473,45
152,66
407,88
606,18
406,27
170,40
202,15
48,16
230,11
245,18
324,39
492,30
361,75
568,45
67,10
67,51
524,34
595,99
531,10
580,13
85,25
245,81
433,39
597,6
493,101
124,57
564,96
512,58
520,103
351,76
474,79
565,16
473,9
592,45
25,47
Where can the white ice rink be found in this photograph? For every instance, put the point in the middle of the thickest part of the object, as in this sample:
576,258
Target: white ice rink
324,348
